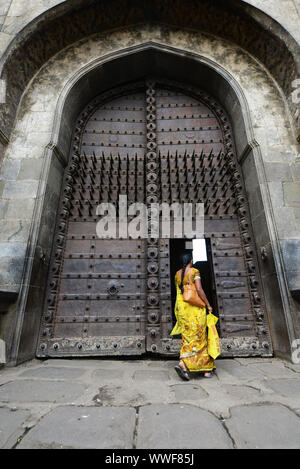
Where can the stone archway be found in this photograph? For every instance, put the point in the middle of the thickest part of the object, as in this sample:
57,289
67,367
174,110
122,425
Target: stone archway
66,23
60,100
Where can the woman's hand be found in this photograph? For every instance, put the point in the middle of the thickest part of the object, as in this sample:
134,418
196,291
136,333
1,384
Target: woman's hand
209,308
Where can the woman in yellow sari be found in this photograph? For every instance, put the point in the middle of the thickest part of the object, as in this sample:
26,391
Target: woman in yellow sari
191,324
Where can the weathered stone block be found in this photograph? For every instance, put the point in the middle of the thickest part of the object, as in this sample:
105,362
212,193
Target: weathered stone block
2,351
11,426
276,193
297,3
4,40
285,222
31,323
11,269
30,169
14,230
291,252
20,208
292,194
278,172
52,372
3,207
4,7
295,169
29,390
155,375
83,427
55,176
255,202
250,172
235,369
293,278
33,121
274,370
264,427
169,426
12,250
10,169
189,392
260,229
276,313
242,392
278,154
291,256
286,387
297,216
39,268
20,189
108,374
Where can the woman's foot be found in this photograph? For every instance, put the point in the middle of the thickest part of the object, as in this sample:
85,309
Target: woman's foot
182,371
182,365
208,374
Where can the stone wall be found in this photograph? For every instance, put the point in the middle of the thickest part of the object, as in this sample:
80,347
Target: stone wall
17,14
38,144
234,20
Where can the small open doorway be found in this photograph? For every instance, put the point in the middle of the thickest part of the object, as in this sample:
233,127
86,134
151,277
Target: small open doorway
202,260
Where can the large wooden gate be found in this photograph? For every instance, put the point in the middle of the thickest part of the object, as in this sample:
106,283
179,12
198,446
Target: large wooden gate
154,142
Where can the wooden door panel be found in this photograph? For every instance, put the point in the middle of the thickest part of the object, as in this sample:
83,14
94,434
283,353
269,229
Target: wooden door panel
198,164
96,295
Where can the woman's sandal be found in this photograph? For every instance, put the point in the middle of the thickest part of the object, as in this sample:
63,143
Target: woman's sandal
209,376
184,374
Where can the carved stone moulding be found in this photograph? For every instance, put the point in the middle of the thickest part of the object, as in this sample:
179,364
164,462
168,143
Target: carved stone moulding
92,345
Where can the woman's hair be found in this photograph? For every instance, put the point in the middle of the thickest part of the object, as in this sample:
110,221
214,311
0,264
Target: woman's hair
185,259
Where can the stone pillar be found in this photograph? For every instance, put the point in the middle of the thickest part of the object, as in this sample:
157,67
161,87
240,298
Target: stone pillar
30,194
278,242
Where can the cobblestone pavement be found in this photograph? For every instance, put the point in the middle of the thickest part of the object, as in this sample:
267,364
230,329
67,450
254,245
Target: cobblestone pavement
106,403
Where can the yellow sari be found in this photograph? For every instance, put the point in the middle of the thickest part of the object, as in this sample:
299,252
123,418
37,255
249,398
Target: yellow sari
191,324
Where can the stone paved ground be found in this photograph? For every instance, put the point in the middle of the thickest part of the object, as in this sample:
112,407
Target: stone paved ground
105,403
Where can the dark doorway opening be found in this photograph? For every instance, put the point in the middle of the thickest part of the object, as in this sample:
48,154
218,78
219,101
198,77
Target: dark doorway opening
202,260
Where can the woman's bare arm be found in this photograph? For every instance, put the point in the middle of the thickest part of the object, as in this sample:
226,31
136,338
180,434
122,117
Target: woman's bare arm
201,293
